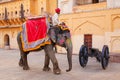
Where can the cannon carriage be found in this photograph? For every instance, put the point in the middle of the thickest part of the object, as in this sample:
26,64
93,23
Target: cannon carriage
101,56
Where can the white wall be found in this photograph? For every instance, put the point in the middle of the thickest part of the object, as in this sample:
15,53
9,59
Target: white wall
98,42
78,41
113,3
112,39
65,6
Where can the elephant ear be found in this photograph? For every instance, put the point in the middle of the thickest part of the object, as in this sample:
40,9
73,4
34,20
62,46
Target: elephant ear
52,34
60,39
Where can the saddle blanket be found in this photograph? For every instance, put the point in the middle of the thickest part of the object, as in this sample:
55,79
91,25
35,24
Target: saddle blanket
34,33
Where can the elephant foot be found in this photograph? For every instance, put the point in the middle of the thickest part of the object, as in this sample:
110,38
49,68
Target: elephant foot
57,71
26,68
21,63
46,69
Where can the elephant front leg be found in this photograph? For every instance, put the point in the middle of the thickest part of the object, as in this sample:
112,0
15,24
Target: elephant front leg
46,63
49,50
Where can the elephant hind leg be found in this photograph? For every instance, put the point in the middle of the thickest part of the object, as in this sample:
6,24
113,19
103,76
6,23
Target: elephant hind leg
24,57
21,62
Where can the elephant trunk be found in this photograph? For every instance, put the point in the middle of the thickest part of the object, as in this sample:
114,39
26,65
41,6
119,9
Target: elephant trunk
69,54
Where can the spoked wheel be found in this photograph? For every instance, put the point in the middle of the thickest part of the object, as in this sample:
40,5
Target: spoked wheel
83,56
105,57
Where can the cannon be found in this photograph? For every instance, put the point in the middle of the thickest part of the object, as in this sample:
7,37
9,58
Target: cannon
101,56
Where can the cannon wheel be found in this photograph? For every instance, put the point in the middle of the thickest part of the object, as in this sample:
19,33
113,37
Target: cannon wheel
83,55
105,56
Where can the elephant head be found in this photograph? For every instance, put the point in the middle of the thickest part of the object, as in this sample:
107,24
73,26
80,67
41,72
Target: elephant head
62,38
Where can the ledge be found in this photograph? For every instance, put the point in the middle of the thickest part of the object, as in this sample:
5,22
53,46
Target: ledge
6,1
115,58
90,7
10,26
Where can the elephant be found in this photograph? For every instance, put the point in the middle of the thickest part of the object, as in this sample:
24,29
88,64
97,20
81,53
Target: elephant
49,51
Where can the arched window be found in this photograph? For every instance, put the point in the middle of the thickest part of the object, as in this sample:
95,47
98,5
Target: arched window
15,12
42,10
95,1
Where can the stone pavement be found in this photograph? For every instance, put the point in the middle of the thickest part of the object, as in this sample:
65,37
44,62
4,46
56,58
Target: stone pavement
10,70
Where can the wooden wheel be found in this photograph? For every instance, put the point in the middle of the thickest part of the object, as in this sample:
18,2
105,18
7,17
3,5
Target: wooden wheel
105,57
83,55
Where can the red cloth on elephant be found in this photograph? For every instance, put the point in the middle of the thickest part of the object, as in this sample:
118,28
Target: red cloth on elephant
34,33
36,29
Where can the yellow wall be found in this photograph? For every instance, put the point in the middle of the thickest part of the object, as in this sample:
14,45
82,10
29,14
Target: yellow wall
12,33
31,7
51,5
47,5
12,25
89,7
101,22
95,19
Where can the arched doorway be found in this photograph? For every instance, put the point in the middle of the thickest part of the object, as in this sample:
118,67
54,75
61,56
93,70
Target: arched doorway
6,42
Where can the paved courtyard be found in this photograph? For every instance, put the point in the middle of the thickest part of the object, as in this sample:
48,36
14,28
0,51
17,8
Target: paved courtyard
10,70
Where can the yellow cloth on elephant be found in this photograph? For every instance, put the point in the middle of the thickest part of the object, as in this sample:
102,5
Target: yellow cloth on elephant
63,27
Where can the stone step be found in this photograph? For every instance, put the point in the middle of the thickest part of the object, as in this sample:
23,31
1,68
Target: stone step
115,58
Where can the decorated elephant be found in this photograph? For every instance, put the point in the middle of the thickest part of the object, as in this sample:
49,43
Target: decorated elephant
62,38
